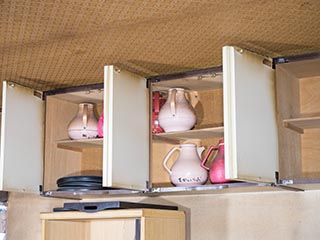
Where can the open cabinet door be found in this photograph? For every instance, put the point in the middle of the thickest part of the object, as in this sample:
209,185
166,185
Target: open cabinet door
126,138
251,139
22,123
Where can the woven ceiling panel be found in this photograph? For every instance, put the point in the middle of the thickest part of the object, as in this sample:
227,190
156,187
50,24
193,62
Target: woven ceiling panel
47,44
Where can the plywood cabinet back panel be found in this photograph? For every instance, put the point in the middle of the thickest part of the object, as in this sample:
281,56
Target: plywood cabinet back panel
61,162
298,101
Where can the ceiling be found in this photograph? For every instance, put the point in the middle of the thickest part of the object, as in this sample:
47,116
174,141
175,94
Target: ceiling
50,44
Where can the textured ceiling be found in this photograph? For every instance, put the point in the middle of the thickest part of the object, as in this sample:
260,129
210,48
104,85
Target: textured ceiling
48,44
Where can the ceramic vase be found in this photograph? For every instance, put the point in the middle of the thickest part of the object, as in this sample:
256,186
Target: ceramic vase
177,114
217,168
186,170
85,124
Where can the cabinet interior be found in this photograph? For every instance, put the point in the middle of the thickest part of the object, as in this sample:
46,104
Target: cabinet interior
205,93
298,99
65,157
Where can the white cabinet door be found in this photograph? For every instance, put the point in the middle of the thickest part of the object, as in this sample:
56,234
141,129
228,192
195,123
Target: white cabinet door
22,132
251,140
126,138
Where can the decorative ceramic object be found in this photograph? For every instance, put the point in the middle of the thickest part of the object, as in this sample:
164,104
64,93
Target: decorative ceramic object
186,170
84,124
100,126
157,103
177,114
217,168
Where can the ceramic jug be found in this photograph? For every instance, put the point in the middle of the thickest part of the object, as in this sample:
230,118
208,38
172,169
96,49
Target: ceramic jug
186,170
177,114
100,126
85,123
217,168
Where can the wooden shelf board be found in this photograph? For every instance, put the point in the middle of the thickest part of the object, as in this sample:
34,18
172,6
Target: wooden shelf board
191,134
197,83
78,145
299,124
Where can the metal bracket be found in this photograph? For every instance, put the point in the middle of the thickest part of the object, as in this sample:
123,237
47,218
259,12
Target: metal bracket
280,60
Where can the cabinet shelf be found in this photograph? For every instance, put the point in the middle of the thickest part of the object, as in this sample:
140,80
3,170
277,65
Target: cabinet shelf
299,124
196,83
79,145
191,134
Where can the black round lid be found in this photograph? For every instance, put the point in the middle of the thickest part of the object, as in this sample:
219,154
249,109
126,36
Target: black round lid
79,179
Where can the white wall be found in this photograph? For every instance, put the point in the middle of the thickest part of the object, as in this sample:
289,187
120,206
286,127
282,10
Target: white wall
267,215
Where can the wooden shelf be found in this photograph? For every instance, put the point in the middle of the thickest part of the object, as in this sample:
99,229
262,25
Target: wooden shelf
78,145
196,83
299,124
191,134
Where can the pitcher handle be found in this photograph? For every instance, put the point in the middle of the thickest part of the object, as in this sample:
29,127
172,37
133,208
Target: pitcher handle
207,156
85,116
164,164
173,101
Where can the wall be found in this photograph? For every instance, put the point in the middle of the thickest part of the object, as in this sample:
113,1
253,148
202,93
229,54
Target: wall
267,215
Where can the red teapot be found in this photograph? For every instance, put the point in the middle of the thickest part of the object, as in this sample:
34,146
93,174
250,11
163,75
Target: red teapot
217,168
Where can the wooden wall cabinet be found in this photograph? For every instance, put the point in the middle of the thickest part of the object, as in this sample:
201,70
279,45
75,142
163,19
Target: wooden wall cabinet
137,224
260,116
298,98
35,149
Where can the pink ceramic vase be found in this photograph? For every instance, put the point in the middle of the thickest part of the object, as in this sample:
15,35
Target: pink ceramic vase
100,126
217,168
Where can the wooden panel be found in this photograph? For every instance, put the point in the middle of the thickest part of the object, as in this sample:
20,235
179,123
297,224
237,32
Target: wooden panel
193,134
310,152
163,228
66,230
79,145
196,83
21,139
299,124
158,175
126,145
91,161
59,162
303,69
310,96
71,159
251,140
117,229
209,109
288,103
299,110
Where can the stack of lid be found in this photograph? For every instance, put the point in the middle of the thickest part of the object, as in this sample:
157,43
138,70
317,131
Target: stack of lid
80,183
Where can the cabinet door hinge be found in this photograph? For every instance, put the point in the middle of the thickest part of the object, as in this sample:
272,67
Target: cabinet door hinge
38,94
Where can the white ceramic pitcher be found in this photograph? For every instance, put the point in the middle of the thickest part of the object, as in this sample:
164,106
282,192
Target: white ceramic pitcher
177,114
186,170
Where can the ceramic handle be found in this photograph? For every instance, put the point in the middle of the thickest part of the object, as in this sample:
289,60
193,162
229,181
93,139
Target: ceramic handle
173,101
85,116
164,164
207,156
156,102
